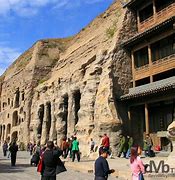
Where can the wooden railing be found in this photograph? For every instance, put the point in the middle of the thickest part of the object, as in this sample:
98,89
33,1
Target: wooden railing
157,18
155,67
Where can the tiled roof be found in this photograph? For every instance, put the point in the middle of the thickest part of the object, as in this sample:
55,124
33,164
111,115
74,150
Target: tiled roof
151,88
153,30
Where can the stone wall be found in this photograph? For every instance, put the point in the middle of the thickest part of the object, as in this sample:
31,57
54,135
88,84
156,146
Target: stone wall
71,89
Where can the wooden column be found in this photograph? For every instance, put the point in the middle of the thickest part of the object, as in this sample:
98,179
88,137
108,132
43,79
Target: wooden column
138,21
133,68
154,9
146,118
150,63
129,118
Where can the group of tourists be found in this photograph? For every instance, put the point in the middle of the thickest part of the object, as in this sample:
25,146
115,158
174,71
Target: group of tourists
125,145
126,142
129,150
47,157
12,149
68,146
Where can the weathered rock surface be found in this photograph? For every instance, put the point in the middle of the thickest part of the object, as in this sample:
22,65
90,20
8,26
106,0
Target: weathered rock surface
64,86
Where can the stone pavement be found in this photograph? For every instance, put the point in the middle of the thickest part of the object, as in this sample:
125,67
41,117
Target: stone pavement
76,170
122,167
23,170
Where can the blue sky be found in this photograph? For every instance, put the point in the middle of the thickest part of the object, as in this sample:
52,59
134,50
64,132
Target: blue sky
23,22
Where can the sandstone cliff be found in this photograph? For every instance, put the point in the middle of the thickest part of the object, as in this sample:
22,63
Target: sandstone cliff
64,86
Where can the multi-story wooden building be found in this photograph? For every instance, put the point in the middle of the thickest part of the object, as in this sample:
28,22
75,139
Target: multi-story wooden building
151,100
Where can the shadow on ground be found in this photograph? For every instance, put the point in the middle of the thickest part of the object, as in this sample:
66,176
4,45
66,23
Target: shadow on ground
7,168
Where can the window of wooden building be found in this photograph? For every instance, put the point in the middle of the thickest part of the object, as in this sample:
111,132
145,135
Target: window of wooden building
161,115
163,48
141,57
164,75
146,12
161,4
142,81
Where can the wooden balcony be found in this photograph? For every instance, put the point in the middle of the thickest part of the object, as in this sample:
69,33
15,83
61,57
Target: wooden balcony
157,18
156,67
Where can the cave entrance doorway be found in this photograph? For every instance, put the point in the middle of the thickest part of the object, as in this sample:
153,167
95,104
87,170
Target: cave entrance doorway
15,118
41,117
77,98
0,132
17,97
65,114
3,135
8,129
48,124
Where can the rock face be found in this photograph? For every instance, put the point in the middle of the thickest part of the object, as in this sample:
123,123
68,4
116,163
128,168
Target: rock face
65,86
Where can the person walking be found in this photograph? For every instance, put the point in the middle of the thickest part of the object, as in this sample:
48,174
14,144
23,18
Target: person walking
36,154
50,159
75,149
130,144
69,149
31,146
102,167
149,144
92,145
64,147
105,141
136,165
13,150
5,148
122,146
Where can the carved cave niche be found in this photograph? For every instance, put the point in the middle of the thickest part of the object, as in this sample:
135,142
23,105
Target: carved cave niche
77,98
41,117
48,125
17,98
15,118
8,129
65,113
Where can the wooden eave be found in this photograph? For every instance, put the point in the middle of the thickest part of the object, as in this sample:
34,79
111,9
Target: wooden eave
150,89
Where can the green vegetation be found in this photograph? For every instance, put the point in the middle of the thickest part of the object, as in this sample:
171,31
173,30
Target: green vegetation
41,81
110,31
113,28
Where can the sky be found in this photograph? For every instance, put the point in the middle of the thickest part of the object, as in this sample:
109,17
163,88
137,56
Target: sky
23,22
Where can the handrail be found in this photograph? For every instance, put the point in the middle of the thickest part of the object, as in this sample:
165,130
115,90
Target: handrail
156,18
159,62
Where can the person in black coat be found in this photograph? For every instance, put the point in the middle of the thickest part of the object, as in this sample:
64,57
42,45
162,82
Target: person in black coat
101,166
50,162
13,150
5,148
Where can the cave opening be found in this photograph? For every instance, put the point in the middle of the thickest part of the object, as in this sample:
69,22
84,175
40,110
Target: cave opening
15,119
17,97
41,117
77,98
65,114
48,125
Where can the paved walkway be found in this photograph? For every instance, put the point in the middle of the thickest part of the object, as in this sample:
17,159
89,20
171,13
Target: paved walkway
23,170
76,170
